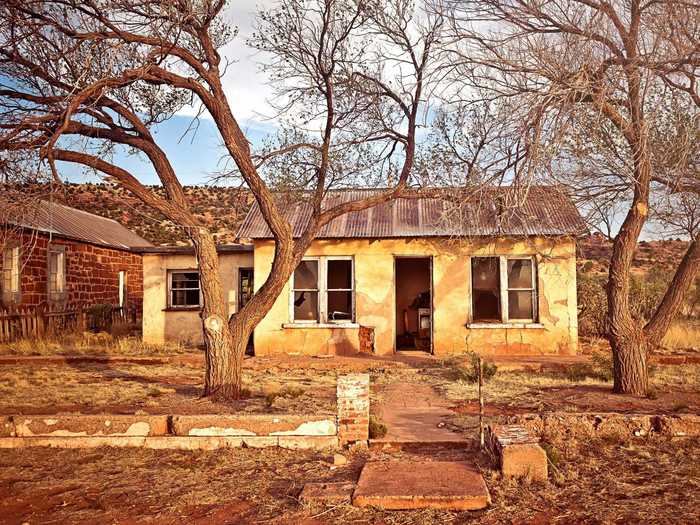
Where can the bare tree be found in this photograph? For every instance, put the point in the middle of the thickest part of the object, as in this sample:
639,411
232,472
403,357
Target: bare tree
589,68
83,79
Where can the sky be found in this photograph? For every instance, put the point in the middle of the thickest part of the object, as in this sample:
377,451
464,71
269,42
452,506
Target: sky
197,155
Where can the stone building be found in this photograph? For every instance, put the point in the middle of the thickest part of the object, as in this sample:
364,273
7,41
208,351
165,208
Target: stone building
54,255
419,274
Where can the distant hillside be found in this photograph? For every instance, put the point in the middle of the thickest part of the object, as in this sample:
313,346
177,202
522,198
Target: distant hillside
662,254
221,208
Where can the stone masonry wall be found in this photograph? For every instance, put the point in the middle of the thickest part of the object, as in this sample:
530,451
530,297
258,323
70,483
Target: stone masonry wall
92,272
353,408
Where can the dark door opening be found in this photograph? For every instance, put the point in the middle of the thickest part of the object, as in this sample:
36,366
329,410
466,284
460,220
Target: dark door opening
414,302
245,292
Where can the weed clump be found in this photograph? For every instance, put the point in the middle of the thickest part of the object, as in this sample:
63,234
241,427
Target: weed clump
469,373
377,429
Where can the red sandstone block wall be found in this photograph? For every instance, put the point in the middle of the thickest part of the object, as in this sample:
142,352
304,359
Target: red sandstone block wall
92,272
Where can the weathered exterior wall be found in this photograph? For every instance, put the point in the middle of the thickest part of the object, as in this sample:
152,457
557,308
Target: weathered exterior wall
556,332
92,272
162,324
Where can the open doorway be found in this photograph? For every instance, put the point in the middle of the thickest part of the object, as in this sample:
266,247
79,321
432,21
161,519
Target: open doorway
414,315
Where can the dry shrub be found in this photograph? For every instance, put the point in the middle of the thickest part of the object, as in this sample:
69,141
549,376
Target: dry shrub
377,428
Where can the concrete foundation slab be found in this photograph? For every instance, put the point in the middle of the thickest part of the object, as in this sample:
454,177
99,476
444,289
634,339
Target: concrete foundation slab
396,485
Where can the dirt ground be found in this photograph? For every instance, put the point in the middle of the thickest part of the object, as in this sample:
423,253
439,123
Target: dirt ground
642,481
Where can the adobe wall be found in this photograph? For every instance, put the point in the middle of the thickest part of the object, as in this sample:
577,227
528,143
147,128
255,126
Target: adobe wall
92,272
160,323
556,332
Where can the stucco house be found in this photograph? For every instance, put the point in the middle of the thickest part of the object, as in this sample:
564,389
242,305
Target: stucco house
412,274
54,255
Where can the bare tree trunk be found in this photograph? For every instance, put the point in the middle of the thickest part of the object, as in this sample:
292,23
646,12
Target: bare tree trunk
630,373
222,376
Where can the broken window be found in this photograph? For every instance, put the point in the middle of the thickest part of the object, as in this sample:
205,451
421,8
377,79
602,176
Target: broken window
183,289
504,289
57,274
486,289
306,291
339,286
322,290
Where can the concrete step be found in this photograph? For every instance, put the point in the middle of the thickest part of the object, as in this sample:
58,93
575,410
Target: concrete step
400,485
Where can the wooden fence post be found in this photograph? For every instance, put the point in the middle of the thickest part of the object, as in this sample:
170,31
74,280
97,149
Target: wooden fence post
41,321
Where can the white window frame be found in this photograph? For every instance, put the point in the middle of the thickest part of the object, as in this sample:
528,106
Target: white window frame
322,289
59,292
170,304
122,288
12,275
504,289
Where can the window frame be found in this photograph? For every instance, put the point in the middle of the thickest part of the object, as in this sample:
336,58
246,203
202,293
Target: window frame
54,296
170,305
504,290
11,275
322,290
123,284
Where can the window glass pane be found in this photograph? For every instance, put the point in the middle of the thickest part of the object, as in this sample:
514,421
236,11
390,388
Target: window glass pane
185,297
519,273
185,280
520,304
340,306
486,289
306,306
306,276
339,275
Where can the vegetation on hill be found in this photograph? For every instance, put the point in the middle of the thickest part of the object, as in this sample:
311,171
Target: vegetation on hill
221,208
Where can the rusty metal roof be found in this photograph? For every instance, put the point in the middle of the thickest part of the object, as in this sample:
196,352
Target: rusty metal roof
189,250
494,211
63,221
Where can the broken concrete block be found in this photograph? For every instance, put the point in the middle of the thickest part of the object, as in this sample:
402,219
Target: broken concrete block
518,452
329,493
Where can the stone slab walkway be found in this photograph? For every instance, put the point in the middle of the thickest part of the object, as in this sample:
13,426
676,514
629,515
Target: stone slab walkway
399,485
413,412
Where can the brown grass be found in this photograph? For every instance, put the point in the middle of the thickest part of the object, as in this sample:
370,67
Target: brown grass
127,388
89,343
683,335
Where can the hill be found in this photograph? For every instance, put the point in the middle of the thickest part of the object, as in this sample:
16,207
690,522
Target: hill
221,208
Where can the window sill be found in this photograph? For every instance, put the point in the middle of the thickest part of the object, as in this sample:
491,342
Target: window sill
505,325
182,309
320,325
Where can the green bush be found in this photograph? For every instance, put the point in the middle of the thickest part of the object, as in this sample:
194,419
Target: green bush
470,373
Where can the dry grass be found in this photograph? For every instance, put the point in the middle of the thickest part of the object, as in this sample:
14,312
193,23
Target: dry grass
641,481
89,343
683,335
127,388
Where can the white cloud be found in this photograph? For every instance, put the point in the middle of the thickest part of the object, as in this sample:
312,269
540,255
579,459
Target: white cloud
246,87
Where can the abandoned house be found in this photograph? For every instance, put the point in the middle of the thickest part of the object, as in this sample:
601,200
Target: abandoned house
412,274
54,255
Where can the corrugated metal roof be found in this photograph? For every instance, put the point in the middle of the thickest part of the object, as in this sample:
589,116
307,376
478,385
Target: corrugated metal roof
189,250
495,211
63,221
